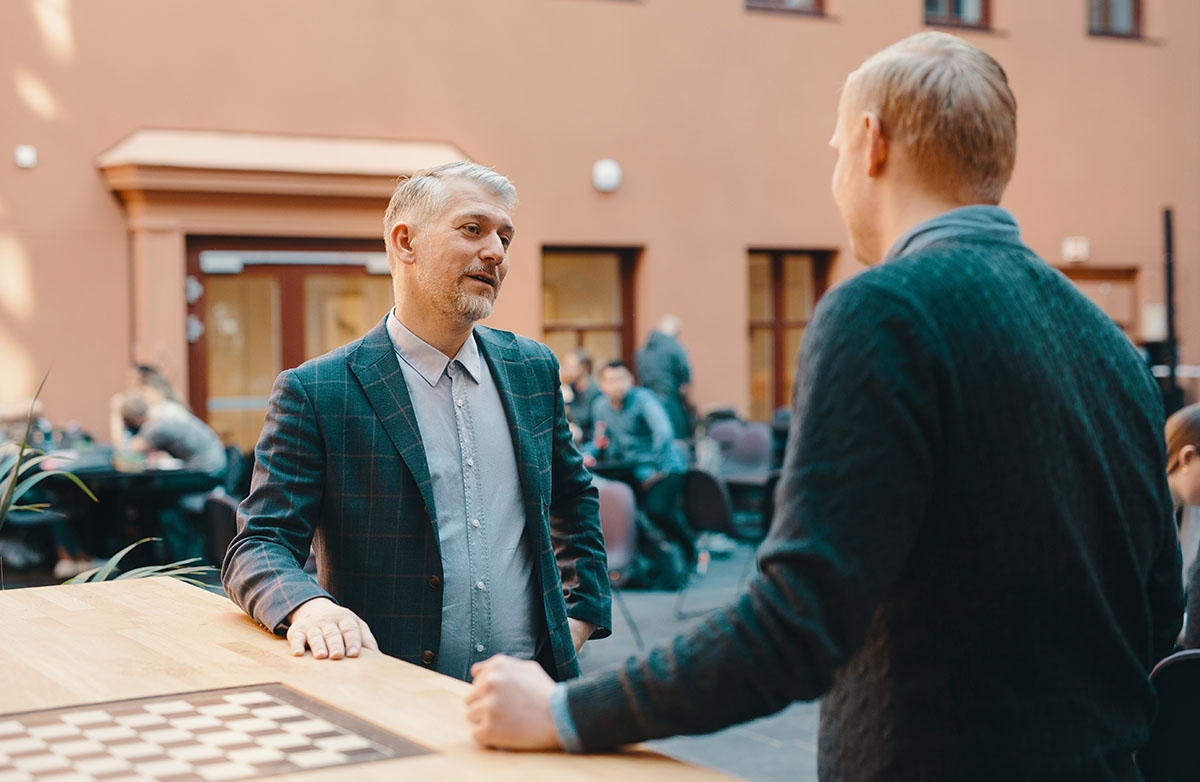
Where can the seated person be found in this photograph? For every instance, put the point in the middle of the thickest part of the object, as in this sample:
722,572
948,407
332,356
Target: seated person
168,427
579,392
631,426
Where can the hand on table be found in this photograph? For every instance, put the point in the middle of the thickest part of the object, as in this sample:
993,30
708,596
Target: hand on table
329,629
509,705
580,632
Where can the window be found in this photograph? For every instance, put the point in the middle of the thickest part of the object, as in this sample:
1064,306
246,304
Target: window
587,301
784,288
1115,17
957,13
799,6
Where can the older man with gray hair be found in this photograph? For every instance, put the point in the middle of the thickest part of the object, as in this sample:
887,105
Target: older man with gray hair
973,560
430,466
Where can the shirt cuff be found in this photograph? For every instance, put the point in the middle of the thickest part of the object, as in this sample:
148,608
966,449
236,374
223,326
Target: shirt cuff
564,726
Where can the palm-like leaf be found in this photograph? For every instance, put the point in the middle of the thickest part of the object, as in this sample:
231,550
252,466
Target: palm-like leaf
180,570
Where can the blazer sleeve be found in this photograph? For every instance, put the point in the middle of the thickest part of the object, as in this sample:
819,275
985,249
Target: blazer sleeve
575,525
263,568
833,549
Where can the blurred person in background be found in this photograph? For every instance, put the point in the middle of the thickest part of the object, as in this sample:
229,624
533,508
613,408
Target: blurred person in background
662,366
168,429
579,391
636,432
1183,476
973,560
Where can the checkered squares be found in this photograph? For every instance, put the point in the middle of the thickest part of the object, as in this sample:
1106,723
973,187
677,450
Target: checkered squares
231,734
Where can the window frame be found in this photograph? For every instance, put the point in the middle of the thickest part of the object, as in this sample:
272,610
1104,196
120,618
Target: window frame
984,23
1108,32
778,325
627,258
774,6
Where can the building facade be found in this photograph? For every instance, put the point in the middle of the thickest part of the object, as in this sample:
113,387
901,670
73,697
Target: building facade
200,186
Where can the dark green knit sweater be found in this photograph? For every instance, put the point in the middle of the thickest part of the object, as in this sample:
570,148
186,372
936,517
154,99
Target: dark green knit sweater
973,557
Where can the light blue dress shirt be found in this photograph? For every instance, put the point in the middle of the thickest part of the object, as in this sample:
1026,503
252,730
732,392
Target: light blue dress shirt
491,602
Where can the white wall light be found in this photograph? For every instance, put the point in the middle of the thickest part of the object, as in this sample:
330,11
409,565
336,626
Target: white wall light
606,175
25,155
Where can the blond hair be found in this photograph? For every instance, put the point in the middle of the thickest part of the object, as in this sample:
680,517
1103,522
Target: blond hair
1183,428
949,106
420,197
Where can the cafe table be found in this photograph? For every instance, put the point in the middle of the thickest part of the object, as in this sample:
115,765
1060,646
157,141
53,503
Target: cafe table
75,657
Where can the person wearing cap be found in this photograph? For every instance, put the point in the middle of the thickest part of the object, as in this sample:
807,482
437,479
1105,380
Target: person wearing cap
973,561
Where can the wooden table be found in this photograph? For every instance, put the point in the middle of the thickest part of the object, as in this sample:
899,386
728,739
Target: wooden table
68,645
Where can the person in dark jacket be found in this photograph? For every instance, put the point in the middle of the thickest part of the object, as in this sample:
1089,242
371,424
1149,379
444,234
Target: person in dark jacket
973,560
662,366
580,392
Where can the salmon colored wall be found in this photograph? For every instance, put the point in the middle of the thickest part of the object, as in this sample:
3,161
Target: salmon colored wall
719,117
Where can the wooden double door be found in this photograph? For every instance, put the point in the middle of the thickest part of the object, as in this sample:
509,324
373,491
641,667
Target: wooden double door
259,306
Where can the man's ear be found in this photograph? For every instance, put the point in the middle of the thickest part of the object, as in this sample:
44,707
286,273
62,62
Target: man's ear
1187,454
400,242
877,144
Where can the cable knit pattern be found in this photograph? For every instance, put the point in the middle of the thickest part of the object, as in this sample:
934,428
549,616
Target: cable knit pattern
973,557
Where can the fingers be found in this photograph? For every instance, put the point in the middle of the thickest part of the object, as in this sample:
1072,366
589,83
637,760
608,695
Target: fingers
316,642
329,630
297,641
368,638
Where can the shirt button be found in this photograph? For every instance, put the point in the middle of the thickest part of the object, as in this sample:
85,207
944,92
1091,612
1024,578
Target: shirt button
427,657
479,647
434,582
470,462
458,402
479,585
475,523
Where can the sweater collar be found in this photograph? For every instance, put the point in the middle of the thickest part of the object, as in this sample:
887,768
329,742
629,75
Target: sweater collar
974,220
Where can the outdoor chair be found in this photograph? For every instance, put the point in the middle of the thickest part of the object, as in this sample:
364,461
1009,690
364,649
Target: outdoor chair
219,521
725,432
751,451
1170,754
708,508
618,523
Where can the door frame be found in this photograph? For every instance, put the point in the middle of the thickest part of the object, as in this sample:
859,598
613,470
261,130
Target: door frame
291,294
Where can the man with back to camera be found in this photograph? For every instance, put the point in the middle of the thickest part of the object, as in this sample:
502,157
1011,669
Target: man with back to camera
973,558
431,467
662,366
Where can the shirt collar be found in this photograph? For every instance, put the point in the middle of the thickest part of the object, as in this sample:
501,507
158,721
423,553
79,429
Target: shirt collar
967,220
429,362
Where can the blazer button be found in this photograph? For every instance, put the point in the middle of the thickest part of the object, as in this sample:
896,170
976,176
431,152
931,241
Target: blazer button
427,657
434,582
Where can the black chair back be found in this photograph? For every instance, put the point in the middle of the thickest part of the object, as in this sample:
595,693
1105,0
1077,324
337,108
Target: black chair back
220,525
706,503
1170,754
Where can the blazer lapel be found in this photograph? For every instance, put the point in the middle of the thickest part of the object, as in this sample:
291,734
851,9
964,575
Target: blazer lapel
375,365
507,363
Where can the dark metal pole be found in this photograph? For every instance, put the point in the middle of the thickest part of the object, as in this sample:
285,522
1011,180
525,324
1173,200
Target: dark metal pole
1172,352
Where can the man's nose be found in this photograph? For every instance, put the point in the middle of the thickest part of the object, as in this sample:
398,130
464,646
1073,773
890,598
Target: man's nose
493,250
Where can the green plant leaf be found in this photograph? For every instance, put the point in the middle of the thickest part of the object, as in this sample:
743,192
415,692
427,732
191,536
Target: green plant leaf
105,570
32,481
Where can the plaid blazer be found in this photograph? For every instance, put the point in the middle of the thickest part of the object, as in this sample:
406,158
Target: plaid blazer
341,467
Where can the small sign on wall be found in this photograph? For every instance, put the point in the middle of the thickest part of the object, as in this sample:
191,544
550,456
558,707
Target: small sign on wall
1076,249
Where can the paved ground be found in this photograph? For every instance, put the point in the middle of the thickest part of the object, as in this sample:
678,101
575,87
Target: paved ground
779,747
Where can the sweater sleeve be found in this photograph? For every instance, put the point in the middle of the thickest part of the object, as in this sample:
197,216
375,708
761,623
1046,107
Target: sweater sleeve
857,478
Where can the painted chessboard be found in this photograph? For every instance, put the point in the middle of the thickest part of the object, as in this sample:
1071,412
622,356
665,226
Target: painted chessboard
229,734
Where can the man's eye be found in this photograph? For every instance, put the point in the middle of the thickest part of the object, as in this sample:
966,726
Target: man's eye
506,240
471,229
